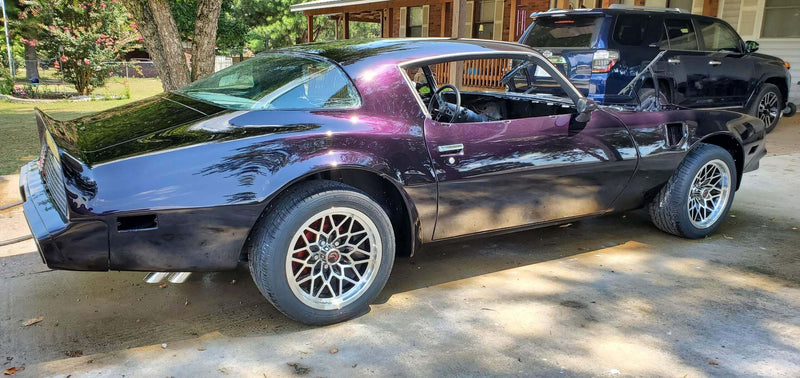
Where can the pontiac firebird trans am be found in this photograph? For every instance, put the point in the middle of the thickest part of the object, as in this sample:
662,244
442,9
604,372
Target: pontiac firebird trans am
317,164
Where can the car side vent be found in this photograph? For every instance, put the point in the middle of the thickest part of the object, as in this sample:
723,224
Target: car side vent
747,132
137,223
674,133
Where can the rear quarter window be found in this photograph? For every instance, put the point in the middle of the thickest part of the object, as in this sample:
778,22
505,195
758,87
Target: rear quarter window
629,29
564,31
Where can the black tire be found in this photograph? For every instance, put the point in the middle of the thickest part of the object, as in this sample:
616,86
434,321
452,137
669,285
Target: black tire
669,210
790,109
274,233
647,99
756,111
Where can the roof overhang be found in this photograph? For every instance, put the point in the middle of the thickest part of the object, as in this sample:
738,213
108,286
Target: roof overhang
323,4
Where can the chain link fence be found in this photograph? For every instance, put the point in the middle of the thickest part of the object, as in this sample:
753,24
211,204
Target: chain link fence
48,69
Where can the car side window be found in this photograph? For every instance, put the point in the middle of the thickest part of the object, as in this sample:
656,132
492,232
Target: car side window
492,89
679,34
718,37
321,88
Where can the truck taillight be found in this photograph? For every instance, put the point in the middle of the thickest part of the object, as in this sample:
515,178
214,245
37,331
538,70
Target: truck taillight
603,60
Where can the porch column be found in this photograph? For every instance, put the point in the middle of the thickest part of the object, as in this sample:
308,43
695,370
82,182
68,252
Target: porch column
346,25
459,31
444,20
564,4
459,18
512,18
310,25
388,25
383,20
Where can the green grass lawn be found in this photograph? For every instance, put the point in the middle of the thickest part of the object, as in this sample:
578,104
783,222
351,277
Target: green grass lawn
19,142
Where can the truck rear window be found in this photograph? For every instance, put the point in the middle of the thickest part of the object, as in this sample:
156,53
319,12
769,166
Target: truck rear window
563,31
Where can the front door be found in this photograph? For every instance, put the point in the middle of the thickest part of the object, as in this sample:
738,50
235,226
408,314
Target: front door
730,71
505,174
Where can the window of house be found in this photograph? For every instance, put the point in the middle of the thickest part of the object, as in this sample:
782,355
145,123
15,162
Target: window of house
414,25
679,35
484,19
779,16
718,37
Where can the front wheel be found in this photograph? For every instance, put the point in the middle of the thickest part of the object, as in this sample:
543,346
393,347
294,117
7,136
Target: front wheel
697,197
322,253
767,106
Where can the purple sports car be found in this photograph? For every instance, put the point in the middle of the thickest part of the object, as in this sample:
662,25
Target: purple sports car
318,164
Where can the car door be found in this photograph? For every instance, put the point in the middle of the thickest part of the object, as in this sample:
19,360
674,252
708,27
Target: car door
730,70
683,64
507,173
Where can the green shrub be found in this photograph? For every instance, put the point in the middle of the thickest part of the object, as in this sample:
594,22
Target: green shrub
6,82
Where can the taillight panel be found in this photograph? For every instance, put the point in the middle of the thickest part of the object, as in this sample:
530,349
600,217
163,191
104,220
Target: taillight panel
604,60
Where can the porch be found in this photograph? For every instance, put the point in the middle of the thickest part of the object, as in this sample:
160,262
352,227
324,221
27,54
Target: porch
504,20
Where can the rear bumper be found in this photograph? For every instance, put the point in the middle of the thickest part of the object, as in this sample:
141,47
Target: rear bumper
79,245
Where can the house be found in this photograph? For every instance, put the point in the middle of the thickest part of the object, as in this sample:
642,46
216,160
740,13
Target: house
488,19
772,23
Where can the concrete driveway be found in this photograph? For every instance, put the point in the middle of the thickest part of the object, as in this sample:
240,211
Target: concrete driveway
600,297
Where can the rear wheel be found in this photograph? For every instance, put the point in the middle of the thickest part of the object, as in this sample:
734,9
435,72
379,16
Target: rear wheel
322,253
767,106
697,197
647,99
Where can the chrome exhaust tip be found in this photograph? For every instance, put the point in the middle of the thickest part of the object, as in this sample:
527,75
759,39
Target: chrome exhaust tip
155,277
179,277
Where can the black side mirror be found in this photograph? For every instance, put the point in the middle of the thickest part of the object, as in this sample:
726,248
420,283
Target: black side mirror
751,46
585,108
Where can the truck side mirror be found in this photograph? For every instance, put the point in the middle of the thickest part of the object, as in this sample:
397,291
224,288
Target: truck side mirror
751,46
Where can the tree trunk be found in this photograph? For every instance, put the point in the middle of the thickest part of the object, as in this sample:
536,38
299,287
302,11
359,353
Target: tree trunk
160,35
205,38
31,62
170,43
146,25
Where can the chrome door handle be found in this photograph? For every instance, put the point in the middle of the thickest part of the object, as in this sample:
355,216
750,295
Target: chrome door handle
674,61
451,148
714,62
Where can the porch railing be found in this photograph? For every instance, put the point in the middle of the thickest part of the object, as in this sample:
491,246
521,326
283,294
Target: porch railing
478,73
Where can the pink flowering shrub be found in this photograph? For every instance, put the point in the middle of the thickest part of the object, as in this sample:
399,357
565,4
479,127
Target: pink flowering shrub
83,35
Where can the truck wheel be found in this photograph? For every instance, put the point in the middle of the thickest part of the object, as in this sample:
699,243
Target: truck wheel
767,106
697,197
322,253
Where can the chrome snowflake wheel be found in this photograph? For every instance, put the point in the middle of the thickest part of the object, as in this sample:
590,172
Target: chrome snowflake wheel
333,258
708,195
768,108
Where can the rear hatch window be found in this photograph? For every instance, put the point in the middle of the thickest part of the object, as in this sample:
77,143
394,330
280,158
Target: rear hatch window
564,31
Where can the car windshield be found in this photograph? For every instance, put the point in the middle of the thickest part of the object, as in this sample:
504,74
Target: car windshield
277,81
563,31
